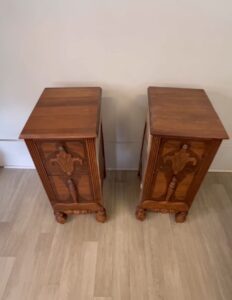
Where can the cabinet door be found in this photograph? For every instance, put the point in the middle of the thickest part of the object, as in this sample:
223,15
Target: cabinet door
72,189
177,165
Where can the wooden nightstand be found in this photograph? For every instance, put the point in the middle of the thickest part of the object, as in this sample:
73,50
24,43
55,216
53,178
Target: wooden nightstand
181,137
64,137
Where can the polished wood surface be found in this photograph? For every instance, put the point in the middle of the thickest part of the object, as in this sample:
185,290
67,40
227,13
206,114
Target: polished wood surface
69,161
121,260
183,113
65,113
174,155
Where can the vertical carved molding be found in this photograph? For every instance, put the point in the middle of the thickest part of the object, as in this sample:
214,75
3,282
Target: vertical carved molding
171,188
73,190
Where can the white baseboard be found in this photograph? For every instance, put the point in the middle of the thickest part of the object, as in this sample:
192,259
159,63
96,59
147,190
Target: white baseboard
20,167
112,169
119,157
14,154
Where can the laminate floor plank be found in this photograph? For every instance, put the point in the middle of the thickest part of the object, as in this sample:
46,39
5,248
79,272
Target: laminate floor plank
123,259
102,298
103,283
120,281
6,266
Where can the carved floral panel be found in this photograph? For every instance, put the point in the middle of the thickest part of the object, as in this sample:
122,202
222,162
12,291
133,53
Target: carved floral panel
177,165
64,158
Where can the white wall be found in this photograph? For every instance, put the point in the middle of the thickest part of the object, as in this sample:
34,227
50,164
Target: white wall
123,46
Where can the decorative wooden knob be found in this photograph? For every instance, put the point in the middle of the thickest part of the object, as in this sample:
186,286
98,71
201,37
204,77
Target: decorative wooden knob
185,147
61,148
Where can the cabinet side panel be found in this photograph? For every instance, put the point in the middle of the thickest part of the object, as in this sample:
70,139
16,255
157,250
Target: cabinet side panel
94,170
101,154
150,167
145,152
145,149
41,170
141,152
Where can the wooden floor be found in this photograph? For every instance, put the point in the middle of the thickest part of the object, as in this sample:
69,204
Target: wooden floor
122,259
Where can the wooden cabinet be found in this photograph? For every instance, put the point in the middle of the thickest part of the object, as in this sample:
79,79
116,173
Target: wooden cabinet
181,137
64,137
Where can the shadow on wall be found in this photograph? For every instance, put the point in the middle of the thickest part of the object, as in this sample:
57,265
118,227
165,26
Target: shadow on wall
123,123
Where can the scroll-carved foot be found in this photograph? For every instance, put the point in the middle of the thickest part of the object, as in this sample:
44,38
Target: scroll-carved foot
101,215
140,213
60,217
180,217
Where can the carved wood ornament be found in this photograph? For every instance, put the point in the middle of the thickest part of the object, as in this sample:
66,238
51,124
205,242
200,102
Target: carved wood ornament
72,190
179,161
66,161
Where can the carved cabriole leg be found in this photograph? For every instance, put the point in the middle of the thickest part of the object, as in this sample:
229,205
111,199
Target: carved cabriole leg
101,215
180,217
140,213
60,217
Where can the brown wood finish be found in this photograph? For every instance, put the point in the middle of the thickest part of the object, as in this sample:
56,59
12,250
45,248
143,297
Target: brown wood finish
41,170
183,113
61,135
185,134
101,156
65,113
140,171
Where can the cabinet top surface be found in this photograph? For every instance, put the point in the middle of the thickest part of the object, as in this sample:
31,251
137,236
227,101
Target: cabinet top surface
65,113
184,113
